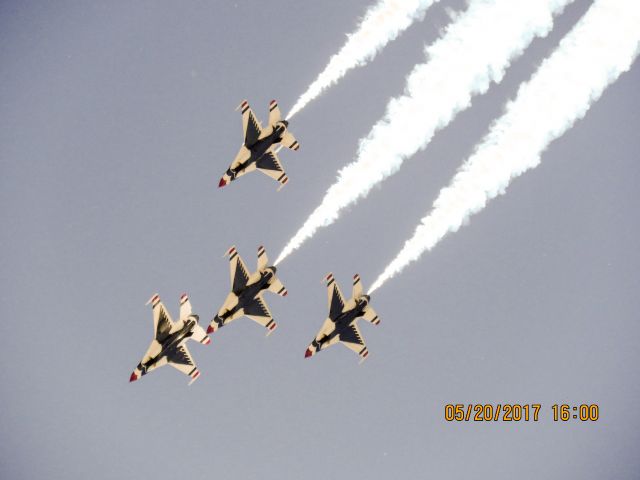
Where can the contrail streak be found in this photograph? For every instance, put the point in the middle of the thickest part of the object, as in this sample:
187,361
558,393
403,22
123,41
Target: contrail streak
475,51
602,45
381,24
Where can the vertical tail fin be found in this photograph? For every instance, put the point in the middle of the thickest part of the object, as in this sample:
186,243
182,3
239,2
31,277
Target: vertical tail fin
263,259
274,113
357,286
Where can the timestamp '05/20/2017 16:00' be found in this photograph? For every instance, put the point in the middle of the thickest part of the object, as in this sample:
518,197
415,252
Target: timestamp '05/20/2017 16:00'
514,412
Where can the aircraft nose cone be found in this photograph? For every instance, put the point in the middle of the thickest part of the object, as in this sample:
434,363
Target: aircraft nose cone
209,329
133,377
308,353
222,183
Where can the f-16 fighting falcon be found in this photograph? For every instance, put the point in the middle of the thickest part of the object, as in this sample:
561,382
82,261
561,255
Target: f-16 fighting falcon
257,151
169,340
246,292
341,325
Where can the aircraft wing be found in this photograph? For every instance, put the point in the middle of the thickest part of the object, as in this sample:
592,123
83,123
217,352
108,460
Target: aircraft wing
289,141
371,316
259,312
274,112
180,359
334,297
250,124
270,165
162,323
238,270
351,338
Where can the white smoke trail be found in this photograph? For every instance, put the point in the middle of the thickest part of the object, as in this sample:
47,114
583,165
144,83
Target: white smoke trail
381,24
601,46
475,51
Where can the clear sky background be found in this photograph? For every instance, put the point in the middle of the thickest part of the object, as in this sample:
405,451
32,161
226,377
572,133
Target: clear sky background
116,122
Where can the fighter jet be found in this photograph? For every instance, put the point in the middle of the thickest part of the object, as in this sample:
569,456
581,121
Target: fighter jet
246,292
341,325
258,150
169,340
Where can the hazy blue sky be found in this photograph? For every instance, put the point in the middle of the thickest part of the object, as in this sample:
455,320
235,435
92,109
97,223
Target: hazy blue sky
116,122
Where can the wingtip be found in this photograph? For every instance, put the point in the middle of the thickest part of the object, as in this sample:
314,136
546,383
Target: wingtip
363,357
194,377
152,299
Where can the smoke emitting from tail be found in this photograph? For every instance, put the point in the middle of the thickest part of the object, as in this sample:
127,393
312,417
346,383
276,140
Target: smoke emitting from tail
475,51
594,54
381,24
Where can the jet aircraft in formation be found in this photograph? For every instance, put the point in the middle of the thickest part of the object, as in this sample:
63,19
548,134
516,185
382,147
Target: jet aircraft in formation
246,297
168,346
340,326
258,149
